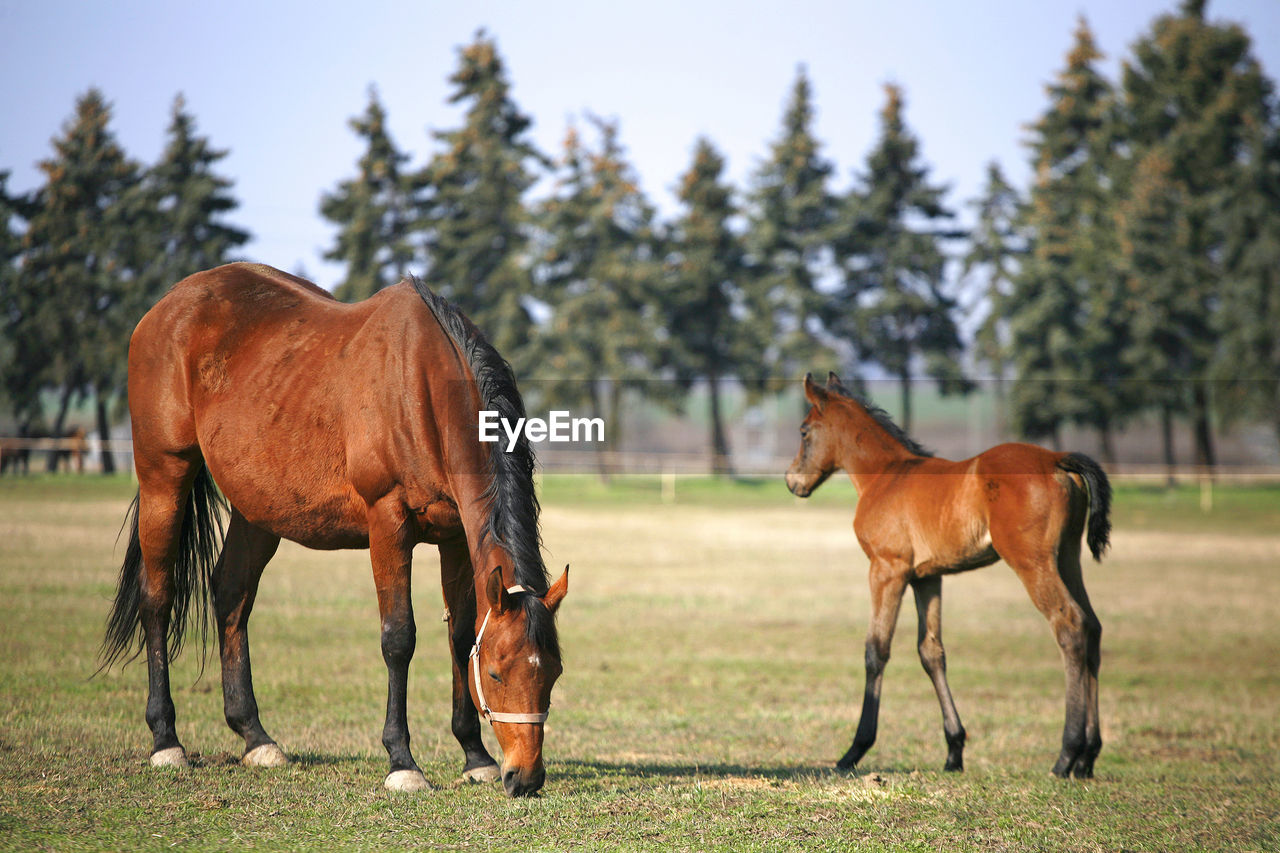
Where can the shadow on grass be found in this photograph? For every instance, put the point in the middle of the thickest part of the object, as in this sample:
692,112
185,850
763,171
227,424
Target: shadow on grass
301,760
584,770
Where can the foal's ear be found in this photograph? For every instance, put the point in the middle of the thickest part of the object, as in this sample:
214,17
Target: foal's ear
496,591
815,393
556,594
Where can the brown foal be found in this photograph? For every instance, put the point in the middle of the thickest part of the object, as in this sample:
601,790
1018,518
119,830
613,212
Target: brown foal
919,518
335,426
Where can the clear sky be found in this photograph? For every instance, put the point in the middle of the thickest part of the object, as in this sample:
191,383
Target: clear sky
276,82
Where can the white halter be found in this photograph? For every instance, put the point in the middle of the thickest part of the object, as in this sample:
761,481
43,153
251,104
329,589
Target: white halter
489,714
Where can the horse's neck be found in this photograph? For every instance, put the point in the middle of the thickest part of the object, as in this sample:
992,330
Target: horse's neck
867,448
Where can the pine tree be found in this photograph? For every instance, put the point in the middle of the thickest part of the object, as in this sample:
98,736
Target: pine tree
790,213
1192,93
190,200
892,301
1160,297
475,221
1065,329
995,247
80,262
598,273
1248,364
19,376
374,211
706,304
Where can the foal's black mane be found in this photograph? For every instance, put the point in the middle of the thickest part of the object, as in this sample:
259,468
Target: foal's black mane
510,499
881,417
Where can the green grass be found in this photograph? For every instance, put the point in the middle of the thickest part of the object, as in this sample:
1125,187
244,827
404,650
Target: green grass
713,674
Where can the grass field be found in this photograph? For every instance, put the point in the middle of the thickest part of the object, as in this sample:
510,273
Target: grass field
713,674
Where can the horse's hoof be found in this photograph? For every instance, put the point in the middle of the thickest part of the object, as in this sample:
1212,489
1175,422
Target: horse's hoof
406,780
174,756
482,774
266,755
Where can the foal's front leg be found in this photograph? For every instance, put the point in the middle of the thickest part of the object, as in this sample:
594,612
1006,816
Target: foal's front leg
888,581
391,551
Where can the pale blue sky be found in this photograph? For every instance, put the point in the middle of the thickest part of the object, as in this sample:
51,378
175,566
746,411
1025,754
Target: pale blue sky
276,82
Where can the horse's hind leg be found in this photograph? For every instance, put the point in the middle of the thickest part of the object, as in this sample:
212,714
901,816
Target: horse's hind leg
162,504
235,585
457,580
933,658
888,582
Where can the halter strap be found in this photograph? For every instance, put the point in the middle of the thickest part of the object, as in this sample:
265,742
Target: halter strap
489,714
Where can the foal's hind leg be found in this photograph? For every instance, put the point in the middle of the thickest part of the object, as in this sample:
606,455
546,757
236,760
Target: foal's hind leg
235,585
1069,623
1072,578
888,582
457,581
933,658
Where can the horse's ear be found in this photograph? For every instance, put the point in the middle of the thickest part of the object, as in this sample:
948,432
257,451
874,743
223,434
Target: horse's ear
814,393
556,594
496,591
833,381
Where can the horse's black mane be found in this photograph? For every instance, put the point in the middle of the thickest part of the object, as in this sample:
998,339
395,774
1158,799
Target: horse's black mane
509,499
881,417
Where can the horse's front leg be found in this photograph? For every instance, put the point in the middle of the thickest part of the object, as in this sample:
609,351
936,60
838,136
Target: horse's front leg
888,582
457,581
391,551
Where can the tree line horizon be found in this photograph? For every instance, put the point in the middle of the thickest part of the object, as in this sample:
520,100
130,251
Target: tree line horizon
1136,275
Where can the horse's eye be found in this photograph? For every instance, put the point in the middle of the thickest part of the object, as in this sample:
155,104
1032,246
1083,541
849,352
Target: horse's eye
495,676
804,431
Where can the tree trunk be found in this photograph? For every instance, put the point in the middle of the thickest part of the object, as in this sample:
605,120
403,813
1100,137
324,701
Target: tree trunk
1106,443
906,402
721,465
1200,405
59,425
104,433
1166,437
602,449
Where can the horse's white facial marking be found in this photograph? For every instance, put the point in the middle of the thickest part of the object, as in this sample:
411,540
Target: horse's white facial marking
535,659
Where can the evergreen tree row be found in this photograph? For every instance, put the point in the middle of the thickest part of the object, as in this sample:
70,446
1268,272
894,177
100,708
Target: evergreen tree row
104,237
1138,274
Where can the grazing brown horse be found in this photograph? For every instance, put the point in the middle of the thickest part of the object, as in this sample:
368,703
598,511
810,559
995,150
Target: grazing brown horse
919,518
335,426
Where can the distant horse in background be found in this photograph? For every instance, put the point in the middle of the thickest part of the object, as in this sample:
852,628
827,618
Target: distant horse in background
72,449
919,518
336,426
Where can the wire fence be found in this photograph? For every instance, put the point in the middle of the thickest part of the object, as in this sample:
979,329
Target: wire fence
87,453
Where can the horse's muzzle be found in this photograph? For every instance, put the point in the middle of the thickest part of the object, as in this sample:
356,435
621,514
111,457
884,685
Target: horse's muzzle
523,783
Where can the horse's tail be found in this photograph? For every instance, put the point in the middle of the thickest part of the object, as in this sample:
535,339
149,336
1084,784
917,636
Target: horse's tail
198,548
1099,531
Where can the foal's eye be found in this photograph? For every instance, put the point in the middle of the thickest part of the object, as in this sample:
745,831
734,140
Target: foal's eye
495,676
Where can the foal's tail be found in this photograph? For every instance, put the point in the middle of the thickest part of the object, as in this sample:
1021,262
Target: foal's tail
198,548
1099,532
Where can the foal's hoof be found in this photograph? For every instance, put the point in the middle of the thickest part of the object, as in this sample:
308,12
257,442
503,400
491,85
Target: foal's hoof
406,780
267,755
482,774
174,756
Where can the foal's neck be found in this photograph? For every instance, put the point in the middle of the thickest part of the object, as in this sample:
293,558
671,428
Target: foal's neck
867,448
